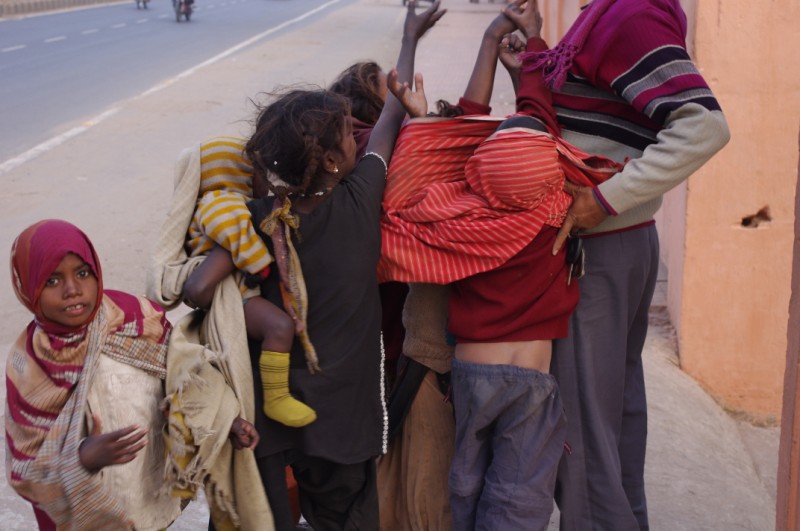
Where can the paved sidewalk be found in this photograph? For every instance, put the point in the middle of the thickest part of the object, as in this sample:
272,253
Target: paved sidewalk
705,471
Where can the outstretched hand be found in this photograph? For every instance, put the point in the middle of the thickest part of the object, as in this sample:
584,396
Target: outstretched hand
509,49
414,101
243,434
584,213
417,24
100,450
526,17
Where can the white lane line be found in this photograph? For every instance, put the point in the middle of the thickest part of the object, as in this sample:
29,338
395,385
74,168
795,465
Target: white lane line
234,49
141,21
164,16
117,26
46,146
89,31
54,39
13,48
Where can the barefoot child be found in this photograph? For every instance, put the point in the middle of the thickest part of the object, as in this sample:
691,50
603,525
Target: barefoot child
85,382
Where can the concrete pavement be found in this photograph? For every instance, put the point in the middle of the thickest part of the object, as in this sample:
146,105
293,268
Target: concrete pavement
705,470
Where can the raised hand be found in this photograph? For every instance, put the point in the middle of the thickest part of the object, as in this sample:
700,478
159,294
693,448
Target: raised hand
414,101
509,49
527,17
243,434
417,24
100,450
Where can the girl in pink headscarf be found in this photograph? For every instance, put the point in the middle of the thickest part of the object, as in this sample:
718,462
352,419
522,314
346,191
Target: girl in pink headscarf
84,385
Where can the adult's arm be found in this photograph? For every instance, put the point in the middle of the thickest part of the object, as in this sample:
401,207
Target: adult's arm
646,63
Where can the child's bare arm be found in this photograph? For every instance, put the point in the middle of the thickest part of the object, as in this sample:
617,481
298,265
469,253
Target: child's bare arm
199,287
481,82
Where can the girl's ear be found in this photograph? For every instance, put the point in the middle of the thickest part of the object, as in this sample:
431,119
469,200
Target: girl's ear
330,161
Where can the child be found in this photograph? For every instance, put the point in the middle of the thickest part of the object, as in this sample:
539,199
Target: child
364,85
85,382
221,219
222,230
510,296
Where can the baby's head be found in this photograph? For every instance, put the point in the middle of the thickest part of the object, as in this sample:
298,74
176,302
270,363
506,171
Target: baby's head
364,84
300,136
56,275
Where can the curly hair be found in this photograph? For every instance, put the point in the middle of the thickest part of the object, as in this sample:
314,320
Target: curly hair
360,83
292,134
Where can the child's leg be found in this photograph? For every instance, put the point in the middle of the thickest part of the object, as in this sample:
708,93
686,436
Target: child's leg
271,326
527,445
509,439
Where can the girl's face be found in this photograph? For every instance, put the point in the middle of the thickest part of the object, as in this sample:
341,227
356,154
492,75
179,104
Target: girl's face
69,296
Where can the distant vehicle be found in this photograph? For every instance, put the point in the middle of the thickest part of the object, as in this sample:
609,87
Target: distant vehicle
182,8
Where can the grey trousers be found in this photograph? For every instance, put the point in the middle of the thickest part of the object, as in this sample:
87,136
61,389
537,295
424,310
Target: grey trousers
509,438
598,366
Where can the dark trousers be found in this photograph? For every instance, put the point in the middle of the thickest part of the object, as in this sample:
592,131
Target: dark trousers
509,439
599,370
333,496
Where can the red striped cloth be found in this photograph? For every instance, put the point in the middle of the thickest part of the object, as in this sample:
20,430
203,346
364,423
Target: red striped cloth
462,198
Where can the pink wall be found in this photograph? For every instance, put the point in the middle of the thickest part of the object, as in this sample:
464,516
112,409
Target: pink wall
732,311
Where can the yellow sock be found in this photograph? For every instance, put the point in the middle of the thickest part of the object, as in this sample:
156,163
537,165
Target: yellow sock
279,405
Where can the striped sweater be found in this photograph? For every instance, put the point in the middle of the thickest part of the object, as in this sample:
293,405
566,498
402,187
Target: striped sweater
221,216
633,93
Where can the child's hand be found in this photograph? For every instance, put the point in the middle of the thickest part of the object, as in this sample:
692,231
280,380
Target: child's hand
243,434
100,450
527,18
414,101
417,24
510,47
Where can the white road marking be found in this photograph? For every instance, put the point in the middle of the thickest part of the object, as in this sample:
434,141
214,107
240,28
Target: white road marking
54,39
117,26
89,31
13,48
163,16
47,145
142,21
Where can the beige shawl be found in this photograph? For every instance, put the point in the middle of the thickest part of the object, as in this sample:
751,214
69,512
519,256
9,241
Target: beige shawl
209,376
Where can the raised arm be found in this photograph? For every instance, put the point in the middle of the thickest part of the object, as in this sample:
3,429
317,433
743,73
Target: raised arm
481,82
385,132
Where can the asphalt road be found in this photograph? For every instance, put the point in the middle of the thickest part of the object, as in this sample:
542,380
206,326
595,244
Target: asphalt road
64,69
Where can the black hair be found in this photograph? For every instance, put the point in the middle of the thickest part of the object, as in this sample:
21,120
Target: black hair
360,83
292,134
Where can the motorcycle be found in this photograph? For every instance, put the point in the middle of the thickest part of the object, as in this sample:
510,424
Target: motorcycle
182,8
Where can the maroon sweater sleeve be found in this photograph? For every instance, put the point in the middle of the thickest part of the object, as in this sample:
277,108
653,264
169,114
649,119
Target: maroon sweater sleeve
533,96
473,107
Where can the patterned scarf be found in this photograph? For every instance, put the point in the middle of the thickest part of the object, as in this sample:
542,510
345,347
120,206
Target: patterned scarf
279,225
557,61
49,372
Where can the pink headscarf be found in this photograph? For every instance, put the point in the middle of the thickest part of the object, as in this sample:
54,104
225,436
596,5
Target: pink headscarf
36,253
557,61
